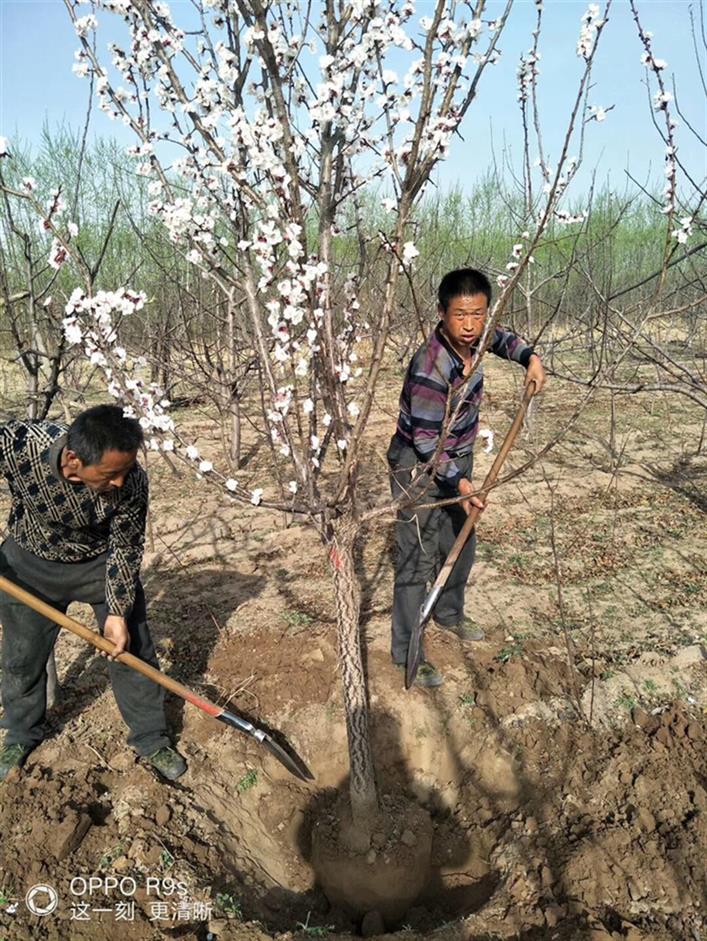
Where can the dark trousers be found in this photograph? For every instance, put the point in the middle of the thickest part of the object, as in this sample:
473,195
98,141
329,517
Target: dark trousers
28,639
424,537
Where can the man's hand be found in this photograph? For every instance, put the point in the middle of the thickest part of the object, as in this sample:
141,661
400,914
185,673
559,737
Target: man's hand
466,488
116,630
535,373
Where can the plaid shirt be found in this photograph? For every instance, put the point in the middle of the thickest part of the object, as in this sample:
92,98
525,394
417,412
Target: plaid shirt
434,373
67,522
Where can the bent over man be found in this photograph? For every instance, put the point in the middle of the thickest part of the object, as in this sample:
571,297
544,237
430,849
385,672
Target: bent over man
77,532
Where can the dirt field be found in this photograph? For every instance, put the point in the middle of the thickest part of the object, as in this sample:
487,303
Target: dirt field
567,802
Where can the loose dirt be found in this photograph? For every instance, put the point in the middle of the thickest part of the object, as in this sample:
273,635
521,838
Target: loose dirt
567,800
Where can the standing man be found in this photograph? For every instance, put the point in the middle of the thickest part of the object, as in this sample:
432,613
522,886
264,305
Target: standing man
437,375
77,532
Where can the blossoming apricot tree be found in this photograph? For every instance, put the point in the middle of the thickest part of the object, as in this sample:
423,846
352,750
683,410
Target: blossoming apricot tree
259,125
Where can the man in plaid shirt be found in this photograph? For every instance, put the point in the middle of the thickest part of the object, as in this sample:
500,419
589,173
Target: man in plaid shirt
77,531
425,470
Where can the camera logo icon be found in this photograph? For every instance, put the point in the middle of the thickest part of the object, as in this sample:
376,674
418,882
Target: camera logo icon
41,899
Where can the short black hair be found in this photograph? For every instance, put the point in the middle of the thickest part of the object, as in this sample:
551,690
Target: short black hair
100,429
461,283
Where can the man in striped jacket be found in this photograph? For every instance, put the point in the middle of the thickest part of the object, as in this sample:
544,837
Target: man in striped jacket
431,394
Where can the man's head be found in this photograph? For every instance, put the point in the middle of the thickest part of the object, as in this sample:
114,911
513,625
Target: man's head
464,296
101,448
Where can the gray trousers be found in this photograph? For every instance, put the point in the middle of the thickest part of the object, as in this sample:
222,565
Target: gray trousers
28,638
424,537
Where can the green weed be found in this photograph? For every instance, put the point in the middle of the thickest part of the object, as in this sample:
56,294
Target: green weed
297,618
110,856
166,860
682,691
229,905
627,701
512,649
249,780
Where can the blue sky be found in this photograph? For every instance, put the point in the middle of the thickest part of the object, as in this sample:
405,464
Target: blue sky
36,85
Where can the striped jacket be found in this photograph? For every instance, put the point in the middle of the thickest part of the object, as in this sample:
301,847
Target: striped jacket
67,522
434,373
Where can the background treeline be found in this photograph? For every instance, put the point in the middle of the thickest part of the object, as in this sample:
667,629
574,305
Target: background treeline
195,350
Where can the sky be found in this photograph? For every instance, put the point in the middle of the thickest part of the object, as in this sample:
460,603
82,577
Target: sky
37,86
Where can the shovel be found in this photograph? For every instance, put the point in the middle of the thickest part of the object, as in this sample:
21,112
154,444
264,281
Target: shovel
415,643
292,762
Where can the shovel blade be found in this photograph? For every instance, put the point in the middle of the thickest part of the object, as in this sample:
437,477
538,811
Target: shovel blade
415,643
292,762
413,657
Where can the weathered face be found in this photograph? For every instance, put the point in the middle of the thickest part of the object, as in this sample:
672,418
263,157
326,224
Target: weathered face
464,319
111,470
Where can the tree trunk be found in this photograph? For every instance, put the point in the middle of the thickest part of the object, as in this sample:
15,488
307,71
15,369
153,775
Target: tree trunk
363,793
235,442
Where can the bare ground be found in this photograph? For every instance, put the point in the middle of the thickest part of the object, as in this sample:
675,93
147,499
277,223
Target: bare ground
567,801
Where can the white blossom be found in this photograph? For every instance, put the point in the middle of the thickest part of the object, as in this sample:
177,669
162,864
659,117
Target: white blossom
661,100
683,233
487,435
192,453
205,467
83,24
292,486
256,496
231,484
409,252
591,22
57,254
597,112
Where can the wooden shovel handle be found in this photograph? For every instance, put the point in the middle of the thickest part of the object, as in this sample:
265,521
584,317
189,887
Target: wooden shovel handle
489,481
92,637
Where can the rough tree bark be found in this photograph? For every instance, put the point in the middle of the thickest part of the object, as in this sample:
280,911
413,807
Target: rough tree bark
363,792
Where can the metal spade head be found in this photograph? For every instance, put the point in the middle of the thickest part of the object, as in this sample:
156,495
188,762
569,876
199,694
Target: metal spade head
413,662
293,763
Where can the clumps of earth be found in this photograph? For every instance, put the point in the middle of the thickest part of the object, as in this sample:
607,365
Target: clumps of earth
504,812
